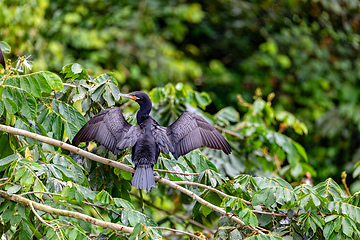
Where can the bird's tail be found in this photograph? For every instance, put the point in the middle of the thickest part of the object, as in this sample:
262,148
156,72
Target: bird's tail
143,177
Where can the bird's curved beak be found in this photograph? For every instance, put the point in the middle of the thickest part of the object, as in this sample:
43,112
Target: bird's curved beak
128,96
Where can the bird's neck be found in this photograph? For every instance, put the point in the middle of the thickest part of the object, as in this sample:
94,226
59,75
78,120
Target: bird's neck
143,112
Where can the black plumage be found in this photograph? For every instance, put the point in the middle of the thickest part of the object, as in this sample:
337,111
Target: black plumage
148,138
2,59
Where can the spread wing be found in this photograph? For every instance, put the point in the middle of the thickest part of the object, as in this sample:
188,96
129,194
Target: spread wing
189,132
161,138
130,137
108,127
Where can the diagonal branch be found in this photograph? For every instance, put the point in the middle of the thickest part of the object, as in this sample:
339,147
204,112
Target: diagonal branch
124,167
66,213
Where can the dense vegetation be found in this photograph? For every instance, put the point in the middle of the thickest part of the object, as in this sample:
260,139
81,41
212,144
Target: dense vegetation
278,80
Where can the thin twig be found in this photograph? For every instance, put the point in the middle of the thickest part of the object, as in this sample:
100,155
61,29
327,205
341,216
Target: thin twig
269,213
42,220
8,180
48,193
69,85
179,232
228,131
126,104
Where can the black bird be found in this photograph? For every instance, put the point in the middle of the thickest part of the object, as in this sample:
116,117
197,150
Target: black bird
148,138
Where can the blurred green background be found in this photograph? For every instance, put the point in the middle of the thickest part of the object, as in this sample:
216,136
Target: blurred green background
306,52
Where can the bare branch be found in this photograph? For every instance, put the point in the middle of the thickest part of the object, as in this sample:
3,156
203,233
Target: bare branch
69,85
48,193
228,131
66,213
179,232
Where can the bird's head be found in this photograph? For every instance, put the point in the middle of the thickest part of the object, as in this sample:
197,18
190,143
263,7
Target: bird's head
139,97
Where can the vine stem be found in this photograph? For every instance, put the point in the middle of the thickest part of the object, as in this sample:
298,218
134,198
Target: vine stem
124,167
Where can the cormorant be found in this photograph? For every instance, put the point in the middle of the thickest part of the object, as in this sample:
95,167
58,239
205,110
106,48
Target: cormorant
148,138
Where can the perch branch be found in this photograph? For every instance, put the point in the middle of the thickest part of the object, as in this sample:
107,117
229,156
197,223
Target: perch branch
179,232
65,213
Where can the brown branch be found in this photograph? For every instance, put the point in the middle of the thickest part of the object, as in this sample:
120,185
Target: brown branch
124,167
65,213
228,131
225,195
211,189
179,232
69,85
48,193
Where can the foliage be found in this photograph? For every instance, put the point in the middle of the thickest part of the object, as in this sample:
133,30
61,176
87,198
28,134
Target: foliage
303,51
45,104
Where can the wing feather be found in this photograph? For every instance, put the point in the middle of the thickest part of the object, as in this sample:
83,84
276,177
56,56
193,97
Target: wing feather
161,138
107,127
189,132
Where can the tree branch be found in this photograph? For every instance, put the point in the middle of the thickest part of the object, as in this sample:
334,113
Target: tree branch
124,167
66,213
178,232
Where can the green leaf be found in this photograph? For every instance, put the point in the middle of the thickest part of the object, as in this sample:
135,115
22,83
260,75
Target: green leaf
203,99
13,189
38,187
5,47
258,106
7,215
119,202
2,107
265,237
330,189
76,68
109,97
25,231
329,229
347,227
29,108
260,197
205,210
132,217
53,80
103,197
7,160
15,220
44,85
